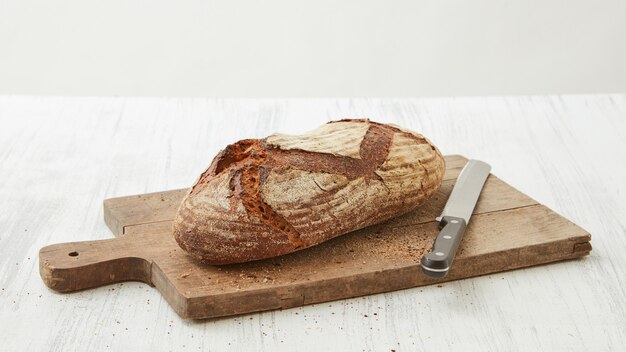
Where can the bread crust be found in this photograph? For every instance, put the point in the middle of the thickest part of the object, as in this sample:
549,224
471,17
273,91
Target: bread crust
262,198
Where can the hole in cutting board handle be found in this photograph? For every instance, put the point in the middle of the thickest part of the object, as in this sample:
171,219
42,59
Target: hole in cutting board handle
73,254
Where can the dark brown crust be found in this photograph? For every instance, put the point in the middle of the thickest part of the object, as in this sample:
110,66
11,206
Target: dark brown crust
249,180
250,161
247,157
244,160
230,157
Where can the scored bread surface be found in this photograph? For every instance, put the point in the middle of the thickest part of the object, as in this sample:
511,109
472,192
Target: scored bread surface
262,198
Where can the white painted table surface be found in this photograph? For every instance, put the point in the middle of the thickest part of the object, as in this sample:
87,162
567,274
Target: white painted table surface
60,157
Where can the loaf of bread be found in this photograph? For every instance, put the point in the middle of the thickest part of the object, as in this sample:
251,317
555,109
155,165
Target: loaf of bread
262,198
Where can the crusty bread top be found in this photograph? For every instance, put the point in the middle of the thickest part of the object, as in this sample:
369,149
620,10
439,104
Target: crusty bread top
324,139
291,188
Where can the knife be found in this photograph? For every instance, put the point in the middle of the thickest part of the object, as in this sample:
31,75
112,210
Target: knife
455,217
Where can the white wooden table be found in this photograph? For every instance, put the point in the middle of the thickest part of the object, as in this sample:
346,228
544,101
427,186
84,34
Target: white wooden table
60,157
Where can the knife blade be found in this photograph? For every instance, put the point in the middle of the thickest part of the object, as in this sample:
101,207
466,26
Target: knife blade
455,217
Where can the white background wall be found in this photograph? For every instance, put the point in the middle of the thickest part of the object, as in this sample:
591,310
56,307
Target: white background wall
315,48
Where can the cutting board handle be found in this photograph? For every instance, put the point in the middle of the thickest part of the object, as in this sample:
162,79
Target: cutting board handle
73,266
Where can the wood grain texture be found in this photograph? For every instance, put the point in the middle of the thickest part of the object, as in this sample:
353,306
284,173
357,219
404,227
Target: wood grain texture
509,230
60,157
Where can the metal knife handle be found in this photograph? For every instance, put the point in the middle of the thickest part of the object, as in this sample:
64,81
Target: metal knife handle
437,263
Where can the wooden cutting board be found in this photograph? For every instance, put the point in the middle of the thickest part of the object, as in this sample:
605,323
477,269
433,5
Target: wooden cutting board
509,230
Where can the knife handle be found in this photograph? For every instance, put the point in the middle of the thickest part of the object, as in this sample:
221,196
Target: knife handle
437,263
